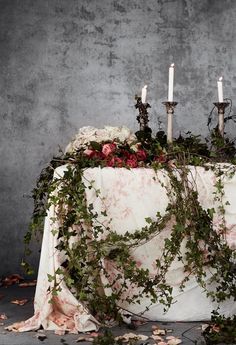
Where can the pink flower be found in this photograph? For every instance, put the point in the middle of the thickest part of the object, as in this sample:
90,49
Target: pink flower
141,155
89,152
132,161
107,149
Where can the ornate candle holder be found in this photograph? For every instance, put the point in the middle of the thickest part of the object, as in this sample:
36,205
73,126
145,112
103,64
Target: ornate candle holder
143,113
221,106
170,106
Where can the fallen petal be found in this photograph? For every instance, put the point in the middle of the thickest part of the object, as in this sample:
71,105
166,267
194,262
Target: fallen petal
12,279
159,332
156,338
204,326
3,317
174,341
19,301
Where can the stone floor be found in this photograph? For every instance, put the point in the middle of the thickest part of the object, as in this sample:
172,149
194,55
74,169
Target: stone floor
189,333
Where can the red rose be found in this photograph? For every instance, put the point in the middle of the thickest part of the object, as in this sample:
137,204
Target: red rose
132,161
115,162
111,162
97,155
107,149
141,155
125,154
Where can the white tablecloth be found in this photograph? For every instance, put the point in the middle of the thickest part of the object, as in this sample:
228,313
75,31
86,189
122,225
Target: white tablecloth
131,196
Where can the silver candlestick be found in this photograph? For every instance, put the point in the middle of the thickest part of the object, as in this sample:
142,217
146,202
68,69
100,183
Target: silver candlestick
170,106
221,106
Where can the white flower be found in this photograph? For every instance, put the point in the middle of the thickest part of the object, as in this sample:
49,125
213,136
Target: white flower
108,133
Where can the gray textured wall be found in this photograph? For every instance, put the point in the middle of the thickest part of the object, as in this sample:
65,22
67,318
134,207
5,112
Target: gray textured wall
67,64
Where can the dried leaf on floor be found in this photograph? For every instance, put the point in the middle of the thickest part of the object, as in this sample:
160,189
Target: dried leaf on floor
174,341
19,301
12,279
3,316
28,284
156,337
126,337
159,332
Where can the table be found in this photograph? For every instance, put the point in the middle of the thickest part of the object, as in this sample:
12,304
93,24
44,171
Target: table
130,197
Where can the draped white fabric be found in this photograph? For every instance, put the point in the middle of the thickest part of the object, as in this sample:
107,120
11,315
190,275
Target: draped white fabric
130,196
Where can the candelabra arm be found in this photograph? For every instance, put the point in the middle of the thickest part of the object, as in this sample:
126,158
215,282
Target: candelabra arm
143,114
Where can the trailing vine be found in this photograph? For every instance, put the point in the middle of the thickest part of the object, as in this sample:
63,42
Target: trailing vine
87,242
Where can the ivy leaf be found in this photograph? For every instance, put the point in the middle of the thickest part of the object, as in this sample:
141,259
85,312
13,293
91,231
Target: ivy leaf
95,146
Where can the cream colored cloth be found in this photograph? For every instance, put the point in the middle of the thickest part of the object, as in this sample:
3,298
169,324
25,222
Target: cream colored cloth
130,196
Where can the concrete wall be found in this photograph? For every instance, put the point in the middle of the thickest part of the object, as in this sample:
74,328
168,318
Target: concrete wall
67,64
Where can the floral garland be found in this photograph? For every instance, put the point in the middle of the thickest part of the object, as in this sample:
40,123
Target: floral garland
118,147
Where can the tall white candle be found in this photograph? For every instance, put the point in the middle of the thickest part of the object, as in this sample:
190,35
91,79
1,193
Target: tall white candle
144,94
220,90
171,83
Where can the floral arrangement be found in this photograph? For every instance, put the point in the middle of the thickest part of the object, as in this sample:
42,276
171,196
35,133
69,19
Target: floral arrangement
119,147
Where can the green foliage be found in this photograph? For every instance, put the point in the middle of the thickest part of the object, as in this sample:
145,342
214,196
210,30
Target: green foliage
205,248
221,330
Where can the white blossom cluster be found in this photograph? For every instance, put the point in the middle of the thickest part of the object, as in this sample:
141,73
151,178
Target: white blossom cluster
108,133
